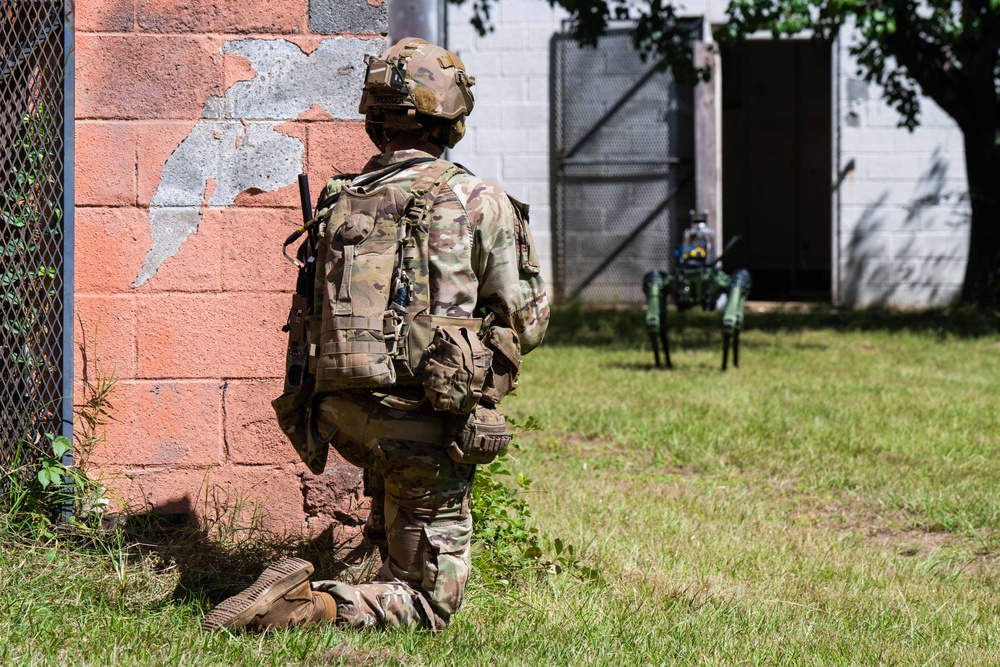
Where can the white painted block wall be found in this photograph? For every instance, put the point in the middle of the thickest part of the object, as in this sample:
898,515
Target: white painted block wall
904,214
508,136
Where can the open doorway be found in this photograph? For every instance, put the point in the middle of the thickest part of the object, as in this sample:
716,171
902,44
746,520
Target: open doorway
776,157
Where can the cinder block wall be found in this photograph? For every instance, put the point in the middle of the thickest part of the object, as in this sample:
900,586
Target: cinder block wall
508,136
193,120
509,130
903,229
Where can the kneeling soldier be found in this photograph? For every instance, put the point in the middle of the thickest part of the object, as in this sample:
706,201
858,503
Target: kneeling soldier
427,292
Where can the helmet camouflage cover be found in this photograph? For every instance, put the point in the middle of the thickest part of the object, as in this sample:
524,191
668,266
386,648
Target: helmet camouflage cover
415,85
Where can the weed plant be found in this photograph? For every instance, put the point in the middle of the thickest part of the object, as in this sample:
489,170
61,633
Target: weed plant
47,487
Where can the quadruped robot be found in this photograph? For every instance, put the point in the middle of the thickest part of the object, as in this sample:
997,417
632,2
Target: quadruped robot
697,280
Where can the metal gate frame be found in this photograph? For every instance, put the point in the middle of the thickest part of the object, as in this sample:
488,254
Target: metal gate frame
69,207
564,158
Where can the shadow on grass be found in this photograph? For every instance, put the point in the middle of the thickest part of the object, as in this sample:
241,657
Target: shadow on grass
213,569
626,329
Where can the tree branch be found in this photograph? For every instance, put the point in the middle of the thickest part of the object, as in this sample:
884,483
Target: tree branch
938,75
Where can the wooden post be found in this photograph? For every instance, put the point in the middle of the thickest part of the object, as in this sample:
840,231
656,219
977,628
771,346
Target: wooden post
708,136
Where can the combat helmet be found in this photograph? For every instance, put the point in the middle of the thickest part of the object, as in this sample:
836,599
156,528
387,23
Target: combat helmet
416,87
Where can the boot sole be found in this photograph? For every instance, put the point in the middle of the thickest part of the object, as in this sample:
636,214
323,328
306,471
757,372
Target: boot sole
239,610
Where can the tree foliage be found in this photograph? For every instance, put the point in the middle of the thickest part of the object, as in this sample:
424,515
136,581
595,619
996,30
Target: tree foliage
905,46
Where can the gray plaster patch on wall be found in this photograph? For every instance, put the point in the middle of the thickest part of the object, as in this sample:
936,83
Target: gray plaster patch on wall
236,144
857,90
357,16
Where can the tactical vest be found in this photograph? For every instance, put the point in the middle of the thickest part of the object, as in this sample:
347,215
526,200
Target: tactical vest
371,325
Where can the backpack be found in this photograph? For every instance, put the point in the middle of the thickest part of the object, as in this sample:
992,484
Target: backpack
371,322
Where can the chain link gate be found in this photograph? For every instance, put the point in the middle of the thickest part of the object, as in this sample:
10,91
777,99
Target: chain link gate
35,233
623,168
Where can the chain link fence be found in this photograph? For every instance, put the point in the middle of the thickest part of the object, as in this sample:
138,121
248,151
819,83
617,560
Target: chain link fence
34,238
623,140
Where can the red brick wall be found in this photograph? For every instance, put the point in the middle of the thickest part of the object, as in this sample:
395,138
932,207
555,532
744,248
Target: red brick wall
197,347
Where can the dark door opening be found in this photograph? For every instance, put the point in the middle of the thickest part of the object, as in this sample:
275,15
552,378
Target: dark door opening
776,157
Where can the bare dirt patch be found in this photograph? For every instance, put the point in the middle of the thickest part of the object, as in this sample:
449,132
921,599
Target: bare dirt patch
343,654
913,543
891,531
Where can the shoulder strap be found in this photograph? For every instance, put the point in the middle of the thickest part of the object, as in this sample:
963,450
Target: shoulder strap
330,199
424,192
372,176
406,276
361,180
426,187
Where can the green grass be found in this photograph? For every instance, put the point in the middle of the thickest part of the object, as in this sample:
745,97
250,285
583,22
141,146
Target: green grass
832,502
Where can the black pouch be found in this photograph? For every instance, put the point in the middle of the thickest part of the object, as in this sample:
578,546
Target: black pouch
480,436
455,370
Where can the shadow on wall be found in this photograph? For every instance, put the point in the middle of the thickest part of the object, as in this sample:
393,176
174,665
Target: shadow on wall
909,255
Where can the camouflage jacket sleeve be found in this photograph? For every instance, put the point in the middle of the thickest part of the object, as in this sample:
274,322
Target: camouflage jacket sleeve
503,258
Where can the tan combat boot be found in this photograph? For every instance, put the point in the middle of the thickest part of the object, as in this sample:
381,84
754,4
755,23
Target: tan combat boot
281,596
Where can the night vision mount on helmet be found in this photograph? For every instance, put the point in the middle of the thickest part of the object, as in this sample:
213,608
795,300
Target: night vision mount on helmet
419,88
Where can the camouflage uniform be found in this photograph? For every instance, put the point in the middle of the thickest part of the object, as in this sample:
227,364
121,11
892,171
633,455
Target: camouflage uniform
480,257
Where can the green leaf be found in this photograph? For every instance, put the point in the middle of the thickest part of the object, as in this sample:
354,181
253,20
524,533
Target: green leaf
60,445
11,219
44,477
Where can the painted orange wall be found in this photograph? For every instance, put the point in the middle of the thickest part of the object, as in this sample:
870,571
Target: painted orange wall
197,347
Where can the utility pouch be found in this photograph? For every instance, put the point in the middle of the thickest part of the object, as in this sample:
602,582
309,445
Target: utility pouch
455,369
479,437
416,342
361,242
506,366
